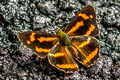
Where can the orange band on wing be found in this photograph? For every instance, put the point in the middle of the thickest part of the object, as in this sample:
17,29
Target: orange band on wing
91,16
67,66
92,27
57,54
41,50
74,28
85,43
42,39
91,56
83,53
32,36
84,16
28,42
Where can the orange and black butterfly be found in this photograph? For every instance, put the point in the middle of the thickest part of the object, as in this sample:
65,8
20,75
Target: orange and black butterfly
76,44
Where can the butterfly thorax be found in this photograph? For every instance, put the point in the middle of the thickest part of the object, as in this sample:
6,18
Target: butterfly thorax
63,38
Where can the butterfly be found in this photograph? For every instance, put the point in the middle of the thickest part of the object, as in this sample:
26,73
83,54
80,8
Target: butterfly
65,50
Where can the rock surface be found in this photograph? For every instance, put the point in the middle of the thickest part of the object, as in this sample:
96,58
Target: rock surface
19,62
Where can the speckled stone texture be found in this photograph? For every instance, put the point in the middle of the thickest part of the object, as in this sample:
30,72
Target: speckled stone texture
17,62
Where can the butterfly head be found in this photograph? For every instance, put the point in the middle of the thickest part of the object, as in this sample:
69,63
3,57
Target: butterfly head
64,39
59,32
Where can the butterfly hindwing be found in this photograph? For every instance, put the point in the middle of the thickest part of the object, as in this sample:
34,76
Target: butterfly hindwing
88,49
84,23
61,58
40,43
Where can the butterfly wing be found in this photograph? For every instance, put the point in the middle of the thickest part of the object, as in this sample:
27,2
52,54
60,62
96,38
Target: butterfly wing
88,49
84,23
40,43
61,58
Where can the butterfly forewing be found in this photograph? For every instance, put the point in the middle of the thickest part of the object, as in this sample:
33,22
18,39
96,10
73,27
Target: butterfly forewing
61,58
88,49
40,43
84,23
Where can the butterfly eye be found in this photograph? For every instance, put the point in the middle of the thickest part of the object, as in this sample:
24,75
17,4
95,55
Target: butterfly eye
57,31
